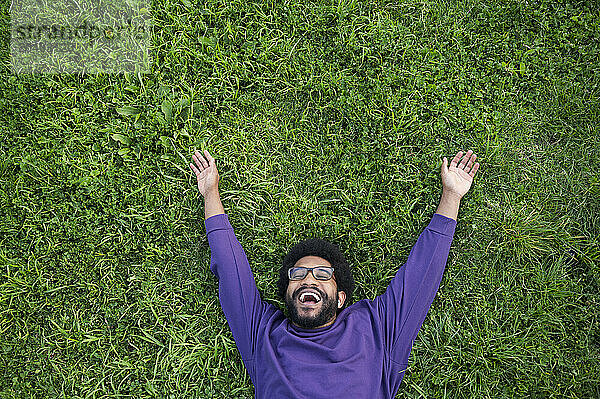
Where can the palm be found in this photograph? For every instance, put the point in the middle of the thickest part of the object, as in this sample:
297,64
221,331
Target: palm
206,179
206,172
458,177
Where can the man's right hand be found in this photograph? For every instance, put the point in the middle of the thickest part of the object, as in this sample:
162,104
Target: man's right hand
206,173
208,183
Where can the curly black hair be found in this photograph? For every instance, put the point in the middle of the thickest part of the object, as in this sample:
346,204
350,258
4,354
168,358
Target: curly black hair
323,249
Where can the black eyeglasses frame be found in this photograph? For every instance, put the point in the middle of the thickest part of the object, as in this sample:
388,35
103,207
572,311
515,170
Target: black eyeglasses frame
311,269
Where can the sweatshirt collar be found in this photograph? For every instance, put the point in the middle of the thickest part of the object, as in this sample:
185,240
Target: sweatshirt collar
306,332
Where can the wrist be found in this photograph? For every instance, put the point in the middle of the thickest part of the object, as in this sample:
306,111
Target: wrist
450,196
212,193
212,204
449,204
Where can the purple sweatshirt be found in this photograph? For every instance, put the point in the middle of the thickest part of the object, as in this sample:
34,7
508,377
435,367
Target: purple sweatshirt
363,354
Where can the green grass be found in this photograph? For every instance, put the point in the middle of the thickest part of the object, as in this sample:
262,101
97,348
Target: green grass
326,119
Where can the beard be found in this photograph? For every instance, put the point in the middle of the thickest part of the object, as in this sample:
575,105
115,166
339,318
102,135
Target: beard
325,313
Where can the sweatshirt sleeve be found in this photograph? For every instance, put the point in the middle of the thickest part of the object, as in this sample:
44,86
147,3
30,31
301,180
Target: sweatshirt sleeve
406,301
239,297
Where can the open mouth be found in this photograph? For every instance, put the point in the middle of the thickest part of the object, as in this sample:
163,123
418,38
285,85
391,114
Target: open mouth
309,298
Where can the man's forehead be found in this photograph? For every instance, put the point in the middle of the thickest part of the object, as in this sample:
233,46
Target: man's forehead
312,261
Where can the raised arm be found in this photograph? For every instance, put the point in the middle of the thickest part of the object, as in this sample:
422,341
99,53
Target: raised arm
406,301
238,295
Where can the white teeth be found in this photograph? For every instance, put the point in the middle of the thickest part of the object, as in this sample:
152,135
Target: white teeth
303,295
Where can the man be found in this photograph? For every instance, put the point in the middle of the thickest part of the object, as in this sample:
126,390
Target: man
327,350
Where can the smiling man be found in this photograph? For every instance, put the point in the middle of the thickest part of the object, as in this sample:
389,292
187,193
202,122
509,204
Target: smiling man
313,295
326,348
311,306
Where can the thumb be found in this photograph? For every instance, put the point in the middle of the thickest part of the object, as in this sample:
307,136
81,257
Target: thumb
444,165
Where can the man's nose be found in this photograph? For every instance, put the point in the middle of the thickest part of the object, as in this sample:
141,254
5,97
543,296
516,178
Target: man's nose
310,277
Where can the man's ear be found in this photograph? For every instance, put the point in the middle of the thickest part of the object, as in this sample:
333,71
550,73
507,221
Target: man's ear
341,299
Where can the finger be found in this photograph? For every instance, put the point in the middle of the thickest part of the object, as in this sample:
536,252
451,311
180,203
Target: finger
195,170
196,156
474,170
211,160
456,159
470,164
201,158
463,163
444,165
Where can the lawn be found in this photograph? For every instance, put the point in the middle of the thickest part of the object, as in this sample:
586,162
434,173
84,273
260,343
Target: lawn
326,119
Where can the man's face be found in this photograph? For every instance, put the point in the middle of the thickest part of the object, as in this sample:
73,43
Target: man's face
313,315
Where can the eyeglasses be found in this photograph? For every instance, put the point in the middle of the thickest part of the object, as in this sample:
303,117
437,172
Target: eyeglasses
322,273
